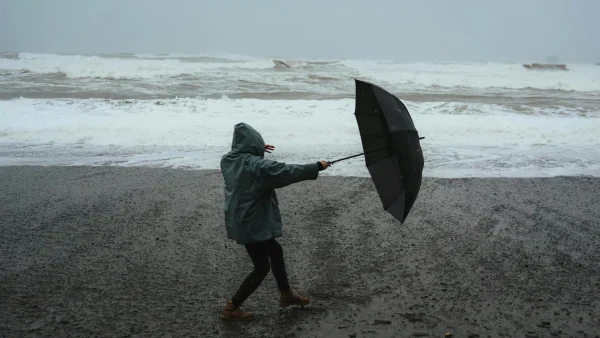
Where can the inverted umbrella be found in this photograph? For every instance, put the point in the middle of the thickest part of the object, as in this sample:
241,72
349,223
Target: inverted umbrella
391,148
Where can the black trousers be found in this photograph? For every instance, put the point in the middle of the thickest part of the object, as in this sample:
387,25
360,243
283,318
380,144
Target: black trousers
265,256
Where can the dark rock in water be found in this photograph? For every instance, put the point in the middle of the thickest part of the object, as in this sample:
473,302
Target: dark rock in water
352,335
342,327
473,335
280,64
420,334
382,321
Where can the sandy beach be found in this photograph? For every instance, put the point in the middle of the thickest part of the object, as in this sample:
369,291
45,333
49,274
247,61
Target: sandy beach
142,252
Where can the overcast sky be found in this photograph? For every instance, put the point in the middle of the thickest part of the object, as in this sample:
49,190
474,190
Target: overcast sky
451,30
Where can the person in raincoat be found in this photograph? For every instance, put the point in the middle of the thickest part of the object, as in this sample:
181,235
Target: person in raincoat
252,216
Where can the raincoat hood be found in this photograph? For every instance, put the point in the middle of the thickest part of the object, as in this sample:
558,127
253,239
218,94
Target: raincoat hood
247,140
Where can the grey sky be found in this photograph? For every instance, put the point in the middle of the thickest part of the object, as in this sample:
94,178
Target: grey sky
463,30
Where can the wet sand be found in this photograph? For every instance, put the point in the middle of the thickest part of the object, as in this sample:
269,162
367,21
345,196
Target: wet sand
103,251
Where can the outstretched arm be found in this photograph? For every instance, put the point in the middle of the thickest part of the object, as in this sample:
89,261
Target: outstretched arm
273,174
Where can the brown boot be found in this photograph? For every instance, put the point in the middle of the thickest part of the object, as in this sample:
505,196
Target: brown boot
288,298
231,312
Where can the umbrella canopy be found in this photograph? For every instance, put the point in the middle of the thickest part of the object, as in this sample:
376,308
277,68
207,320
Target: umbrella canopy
392,149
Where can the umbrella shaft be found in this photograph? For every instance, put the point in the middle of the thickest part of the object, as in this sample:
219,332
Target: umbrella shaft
349,157
372,151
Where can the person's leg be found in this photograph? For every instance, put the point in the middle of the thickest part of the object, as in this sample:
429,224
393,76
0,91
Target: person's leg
288,298
260,259
275,252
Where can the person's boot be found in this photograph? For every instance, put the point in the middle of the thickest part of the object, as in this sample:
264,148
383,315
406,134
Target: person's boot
288,298
232,312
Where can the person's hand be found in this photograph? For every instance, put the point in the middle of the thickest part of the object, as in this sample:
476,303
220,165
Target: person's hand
269,148
325,164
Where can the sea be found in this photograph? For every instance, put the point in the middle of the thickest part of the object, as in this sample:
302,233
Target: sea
479,119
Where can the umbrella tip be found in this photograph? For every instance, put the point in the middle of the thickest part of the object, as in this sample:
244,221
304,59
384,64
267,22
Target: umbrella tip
420,138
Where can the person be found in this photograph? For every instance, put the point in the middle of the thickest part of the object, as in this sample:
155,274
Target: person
252,216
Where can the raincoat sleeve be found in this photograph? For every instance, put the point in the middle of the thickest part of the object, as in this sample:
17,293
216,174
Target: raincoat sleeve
275,175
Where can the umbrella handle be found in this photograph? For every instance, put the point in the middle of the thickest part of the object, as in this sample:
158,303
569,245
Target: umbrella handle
372,151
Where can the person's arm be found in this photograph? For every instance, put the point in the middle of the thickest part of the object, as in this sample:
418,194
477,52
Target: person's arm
273,174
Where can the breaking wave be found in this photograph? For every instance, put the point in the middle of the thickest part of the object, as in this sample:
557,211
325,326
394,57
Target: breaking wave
461,139
405,76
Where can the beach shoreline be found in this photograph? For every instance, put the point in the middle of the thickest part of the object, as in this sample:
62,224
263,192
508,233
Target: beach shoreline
132,251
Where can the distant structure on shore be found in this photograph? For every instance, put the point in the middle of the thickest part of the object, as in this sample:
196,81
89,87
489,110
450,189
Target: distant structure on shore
552,63
545,66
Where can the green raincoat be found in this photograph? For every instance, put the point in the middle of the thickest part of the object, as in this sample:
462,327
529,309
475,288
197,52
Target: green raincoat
251,206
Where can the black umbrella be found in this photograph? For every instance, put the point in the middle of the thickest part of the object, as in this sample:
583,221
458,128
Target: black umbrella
392,149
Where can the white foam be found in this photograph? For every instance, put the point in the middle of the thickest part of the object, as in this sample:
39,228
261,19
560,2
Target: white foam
493,141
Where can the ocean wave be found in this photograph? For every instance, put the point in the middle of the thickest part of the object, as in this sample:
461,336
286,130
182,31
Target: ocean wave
407,77
136,67
420,75
78,66
9,55
177,121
